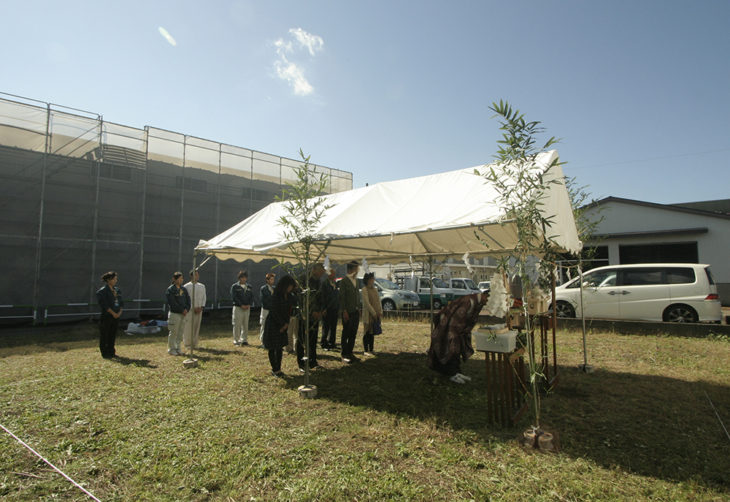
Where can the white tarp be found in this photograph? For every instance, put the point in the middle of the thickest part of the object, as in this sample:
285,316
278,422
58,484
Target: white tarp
439,215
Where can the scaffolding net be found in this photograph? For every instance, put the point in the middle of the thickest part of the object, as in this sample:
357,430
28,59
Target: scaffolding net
84,196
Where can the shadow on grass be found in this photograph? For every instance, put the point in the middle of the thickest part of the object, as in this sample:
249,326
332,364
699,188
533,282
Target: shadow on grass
126,361
59,338
63,338
215,352
650,425
205,358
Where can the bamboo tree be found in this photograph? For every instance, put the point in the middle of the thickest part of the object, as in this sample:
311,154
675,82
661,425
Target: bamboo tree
305,207
522,189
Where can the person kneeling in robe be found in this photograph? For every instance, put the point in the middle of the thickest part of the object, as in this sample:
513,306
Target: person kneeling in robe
451,336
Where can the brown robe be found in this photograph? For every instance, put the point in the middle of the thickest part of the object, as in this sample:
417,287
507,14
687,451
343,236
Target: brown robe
451,337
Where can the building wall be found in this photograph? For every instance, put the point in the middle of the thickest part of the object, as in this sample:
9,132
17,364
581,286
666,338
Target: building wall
713,246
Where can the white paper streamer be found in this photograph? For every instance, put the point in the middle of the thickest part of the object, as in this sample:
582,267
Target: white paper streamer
469,268
498,302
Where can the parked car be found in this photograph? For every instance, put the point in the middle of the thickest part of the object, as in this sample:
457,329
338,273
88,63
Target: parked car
669,292
393,297
463,286
442,293
485,286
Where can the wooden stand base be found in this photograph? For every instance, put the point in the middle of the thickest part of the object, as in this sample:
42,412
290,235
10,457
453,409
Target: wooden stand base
505,386
307,391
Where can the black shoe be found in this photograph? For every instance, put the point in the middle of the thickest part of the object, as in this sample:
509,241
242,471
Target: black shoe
315,366
355,359
244,343
278,374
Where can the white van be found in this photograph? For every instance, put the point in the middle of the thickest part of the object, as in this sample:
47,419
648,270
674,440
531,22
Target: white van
669,292
463,286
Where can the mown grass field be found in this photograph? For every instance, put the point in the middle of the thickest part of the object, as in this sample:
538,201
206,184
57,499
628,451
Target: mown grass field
144,428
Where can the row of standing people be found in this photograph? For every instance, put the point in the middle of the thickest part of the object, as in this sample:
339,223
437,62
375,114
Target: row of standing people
183,327
327,301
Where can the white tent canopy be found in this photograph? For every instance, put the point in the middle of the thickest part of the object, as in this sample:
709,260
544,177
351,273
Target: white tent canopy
440,215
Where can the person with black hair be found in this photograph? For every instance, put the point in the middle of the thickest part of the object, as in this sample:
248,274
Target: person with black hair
242,296
265,294
178,301
308,334
191,334
331,301
277,322
350,305
372,313
110,303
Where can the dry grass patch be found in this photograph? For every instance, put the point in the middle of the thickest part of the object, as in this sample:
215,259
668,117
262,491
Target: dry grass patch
144,428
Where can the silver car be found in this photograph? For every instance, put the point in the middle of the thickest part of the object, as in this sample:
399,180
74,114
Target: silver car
392,297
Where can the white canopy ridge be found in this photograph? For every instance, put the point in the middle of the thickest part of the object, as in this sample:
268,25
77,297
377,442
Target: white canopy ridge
440,215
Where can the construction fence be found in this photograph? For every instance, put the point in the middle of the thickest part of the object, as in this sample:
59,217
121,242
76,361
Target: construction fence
83,196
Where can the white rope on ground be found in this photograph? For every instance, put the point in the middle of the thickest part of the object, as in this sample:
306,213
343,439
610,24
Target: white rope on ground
53,466
717,414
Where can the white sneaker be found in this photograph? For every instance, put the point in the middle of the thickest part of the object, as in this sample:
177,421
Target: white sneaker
464,377
457,379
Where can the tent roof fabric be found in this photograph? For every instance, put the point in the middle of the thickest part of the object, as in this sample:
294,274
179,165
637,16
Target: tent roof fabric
440,215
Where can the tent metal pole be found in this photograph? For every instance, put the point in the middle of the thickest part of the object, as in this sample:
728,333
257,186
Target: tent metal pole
555,321
430,281
583,316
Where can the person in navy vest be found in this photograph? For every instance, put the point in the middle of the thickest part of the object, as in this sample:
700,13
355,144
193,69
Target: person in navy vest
110,303
242,297
178,301
265,293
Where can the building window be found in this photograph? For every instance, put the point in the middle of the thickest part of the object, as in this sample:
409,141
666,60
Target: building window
259,195
115,172
191,184
679,252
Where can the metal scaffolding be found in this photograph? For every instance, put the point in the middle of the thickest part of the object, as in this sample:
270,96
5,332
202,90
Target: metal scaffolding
83,196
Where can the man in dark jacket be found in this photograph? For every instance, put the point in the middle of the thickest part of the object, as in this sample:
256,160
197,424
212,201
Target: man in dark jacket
242,297
110,303
265,294
350,305
331,300
316,309
178,301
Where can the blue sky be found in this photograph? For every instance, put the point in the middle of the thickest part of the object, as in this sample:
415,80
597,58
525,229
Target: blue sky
639,91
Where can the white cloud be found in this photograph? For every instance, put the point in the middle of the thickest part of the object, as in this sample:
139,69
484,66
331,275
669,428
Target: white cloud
166,35
283,47
293,72
312,43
